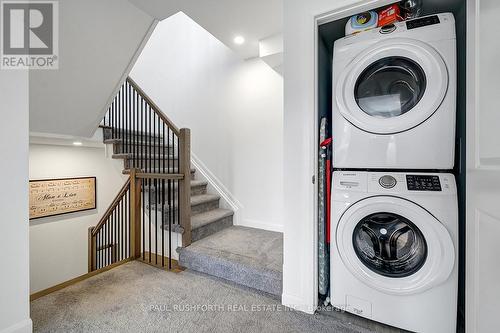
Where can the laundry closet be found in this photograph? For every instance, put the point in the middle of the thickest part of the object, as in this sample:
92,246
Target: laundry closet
391,101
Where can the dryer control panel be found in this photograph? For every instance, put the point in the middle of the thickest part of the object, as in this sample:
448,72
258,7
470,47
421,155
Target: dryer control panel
423,183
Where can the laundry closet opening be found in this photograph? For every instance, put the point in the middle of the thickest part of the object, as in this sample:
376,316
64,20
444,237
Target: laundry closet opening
328,33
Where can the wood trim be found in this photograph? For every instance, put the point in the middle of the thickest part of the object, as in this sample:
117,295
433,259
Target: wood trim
135,214
112,207
80,278
185,185
175,176
92,250
176,268
153,105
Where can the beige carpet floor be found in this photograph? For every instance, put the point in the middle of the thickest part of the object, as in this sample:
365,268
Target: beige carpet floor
136,297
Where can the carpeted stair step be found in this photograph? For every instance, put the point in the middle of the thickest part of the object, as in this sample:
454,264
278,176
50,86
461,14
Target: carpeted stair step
246,256
199,204
204,224
197,187
109,134
125,146
208,223
142,161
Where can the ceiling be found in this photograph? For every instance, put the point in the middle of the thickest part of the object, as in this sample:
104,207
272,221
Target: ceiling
226,19
93,60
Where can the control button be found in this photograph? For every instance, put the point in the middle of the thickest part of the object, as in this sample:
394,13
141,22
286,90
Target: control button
387,181
387,29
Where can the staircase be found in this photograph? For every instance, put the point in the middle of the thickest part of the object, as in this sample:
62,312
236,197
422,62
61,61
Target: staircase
207,217
168,200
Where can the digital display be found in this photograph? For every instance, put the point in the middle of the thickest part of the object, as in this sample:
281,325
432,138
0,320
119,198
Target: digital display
422,22
423,183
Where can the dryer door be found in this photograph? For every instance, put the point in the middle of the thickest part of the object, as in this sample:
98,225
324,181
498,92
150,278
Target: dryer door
394,245
392,87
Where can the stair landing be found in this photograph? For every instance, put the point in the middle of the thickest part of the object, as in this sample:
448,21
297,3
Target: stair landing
247,256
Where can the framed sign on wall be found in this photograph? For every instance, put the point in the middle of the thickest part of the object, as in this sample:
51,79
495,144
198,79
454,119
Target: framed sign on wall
50,197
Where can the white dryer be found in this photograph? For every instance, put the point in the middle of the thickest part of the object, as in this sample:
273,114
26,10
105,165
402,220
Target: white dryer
394,96
394,253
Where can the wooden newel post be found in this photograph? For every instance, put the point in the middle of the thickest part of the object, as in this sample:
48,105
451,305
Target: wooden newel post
185,184
135,214
92,250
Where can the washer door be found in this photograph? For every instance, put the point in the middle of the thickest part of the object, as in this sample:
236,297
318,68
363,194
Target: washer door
392,87
394,245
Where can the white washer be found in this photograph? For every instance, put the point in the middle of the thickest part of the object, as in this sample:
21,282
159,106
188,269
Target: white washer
394,96
394,252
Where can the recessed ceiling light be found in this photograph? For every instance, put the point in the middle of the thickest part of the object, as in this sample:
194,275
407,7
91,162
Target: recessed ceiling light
238,40
77,143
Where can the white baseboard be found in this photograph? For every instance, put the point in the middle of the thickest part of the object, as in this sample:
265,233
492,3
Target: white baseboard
261,225
296,303
229,201
25,326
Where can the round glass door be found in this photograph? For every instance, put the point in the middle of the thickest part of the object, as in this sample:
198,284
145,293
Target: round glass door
389,244
394,245
390,87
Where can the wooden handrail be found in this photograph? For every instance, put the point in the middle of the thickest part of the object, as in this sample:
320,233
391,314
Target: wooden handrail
112,207
185,184
153,105
155,201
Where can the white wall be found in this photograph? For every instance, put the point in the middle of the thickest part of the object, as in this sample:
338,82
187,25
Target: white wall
58,245
14,274
98,42
233,108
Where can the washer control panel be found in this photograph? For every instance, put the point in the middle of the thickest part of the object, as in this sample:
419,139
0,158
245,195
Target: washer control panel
423,183
387,181
351,183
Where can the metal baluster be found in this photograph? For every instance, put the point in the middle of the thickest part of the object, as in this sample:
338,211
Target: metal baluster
113,220
159,140
149,141
120,112
163,224
156,221
129,131
143,194
110,261
149,219
121,231
143,167
136,129
132,119
112,118
153,156
163,201
98,248
105,228
143,129
125,117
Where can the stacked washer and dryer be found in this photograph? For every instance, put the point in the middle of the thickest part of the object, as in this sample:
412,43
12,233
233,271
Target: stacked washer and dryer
394,253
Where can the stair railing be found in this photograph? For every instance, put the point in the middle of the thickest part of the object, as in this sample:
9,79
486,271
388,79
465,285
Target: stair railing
154,144
139,224
111,239
158,158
